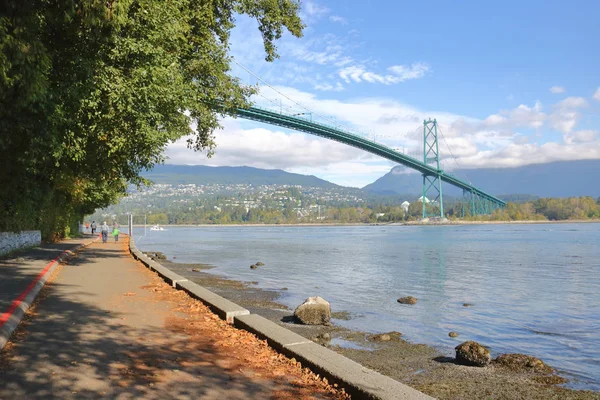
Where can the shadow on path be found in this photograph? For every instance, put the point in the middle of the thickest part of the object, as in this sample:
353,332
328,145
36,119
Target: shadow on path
78,343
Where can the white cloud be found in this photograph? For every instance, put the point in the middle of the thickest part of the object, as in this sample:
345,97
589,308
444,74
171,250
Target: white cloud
313,9
338,19
557,89
515,155
351,173
398,73
584,136
572,102
521,116
491,142
338,87
564,120
565,116
415,71
265,148
527,116
597,94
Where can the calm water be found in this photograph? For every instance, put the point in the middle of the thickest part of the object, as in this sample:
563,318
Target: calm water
535,288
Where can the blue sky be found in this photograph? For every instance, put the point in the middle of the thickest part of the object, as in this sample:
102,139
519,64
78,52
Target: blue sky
511,83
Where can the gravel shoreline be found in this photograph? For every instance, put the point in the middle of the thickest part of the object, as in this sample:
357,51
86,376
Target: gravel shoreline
417,365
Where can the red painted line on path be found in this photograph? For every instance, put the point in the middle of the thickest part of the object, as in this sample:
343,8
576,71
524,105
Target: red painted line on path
5,317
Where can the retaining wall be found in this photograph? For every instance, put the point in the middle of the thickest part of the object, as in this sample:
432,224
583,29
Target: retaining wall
10,241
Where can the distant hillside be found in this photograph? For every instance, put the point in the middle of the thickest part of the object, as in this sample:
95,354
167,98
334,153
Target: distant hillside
556,179
203,175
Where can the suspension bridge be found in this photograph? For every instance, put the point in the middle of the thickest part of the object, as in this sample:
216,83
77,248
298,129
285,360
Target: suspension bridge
476,200
479,201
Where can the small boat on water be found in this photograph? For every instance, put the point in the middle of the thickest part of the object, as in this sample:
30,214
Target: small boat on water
157,228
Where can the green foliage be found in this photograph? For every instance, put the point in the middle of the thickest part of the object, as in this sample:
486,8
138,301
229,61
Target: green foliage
207,212
91,93
553,209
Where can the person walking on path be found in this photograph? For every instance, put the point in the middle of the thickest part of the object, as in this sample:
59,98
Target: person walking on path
115,233
104,230
93,227
87,226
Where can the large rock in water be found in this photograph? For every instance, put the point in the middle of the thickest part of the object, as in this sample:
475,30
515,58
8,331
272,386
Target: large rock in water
472,353
314,311
408,300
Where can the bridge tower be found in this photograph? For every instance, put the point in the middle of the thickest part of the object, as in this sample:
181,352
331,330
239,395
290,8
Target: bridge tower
432,183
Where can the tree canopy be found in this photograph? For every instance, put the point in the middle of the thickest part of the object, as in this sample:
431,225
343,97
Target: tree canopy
92,92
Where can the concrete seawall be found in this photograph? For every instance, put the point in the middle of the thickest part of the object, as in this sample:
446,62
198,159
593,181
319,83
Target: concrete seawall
360,382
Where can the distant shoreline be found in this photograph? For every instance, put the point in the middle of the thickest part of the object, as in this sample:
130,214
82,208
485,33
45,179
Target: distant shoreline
409,223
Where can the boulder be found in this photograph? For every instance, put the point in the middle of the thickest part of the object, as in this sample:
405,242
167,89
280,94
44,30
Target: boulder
253,266
259,264
385,337
472,353
323,339
408,300
522,362
314,311
195,270
453,334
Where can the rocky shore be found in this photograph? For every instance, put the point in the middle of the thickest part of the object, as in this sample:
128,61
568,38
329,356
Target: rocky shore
419,366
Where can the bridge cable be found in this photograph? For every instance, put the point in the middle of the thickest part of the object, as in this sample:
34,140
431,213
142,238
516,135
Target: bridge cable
334,121
453,157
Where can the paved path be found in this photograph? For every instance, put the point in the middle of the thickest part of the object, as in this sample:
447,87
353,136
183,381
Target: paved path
98,332
19,269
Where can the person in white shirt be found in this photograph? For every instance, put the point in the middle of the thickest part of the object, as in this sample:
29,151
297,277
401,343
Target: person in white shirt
104,230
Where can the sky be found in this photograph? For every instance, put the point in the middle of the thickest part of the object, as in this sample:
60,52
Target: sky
510,83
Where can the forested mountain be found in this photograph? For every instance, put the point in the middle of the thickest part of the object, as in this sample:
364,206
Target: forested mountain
204,175
556,179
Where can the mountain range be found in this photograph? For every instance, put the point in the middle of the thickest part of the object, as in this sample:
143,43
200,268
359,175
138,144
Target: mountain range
203,175
556,179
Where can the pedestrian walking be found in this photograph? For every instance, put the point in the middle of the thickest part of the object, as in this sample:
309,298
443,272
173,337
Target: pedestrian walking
104,231
87,226
93,227
115,233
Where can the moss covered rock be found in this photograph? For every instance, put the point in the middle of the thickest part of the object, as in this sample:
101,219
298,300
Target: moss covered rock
472,353
522,362
314,311
408,300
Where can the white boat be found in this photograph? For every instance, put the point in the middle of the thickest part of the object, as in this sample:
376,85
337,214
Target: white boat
157,228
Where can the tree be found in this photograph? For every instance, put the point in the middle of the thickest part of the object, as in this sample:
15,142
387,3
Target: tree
91,93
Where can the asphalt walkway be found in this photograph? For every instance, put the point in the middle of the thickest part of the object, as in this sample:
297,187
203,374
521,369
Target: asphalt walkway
100,330
20,268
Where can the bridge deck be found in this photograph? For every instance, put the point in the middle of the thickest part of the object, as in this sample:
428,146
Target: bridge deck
304,125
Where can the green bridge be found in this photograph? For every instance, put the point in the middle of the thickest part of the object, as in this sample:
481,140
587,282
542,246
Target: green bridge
478,201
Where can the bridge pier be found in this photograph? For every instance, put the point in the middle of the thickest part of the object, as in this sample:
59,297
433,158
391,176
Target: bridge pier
432,183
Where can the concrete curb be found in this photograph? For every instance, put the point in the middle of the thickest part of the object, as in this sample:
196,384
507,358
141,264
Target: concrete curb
360,382
18,313
224,308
